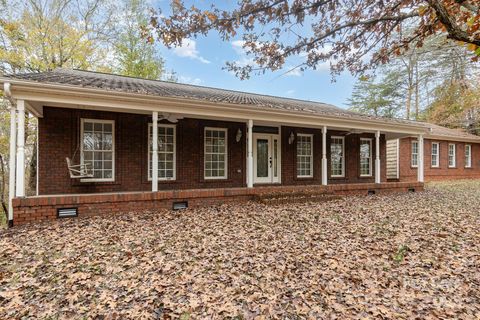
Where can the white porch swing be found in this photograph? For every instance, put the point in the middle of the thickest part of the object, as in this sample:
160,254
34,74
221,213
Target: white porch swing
79,171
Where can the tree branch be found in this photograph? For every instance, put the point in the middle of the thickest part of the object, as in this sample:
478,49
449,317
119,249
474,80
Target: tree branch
454,31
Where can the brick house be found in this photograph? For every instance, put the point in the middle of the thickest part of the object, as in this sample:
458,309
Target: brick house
448,154
140,144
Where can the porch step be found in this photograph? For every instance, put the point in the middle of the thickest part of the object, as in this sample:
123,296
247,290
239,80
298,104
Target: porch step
295,197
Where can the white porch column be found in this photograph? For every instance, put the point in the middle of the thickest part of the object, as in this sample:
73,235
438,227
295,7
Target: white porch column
20,186
324,156
11,165
420,159
377,158
250,154
155,151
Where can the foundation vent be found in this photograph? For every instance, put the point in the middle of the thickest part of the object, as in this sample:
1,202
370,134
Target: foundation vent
67,212
180,205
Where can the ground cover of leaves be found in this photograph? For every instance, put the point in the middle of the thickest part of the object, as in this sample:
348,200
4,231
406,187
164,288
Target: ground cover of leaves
414,255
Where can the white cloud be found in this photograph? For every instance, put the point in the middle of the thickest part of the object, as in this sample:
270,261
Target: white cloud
243,59
293,72
188,49
190,80
290,92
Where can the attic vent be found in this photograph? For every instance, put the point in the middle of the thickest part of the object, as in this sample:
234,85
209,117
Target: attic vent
411,189
371,192
180,205
67,212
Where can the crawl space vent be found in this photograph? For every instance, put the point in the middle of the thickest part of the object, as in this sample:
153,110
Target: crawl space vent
67,212
371,192
411,189
180,205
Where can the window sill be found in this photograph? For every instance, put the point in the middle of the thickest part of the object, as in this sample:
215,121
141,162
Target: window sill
83,182
304,178
215,180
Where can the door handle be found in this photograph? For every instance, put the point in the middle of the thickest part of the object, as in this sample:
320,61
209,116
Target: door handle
270,160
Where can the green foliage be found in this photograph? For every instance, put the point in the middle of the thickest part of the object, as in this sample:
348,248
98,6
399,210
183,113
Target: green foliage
45,36
399,256
456,104
136,56
378,98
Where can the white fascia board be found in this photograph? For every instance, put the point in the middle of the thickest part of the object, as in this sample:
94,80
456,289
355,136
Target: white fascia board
131,102
449,138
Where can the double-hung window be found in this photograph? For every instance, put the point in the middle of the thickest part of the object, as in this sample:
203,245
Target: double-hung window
414,160
304,155
435,154
98,148
452,161
365,157
337,156
215,153
166,151
468,156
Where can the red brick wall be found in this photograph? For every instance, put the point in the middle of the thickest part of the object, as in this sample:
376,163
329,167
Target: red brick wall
352,157
59,137
59,131
37,209
407,173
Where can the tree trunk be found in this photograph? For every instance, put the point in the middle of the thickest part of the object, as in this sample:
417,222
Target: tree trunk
409,102
416,92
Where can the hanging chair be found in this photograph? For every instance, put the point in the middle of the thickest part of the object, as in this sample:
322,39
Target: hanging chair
79,171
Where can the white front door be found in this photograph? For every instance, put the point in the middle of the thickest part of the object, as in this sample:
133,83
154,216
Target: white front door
266,158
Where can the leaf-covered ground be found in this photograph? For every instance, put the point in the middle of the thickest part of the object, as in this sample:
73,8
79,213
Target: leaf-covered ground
412,255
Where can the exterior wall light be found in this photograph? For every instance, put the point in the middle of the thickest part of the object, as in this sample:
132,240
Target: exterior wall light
238,137
291,138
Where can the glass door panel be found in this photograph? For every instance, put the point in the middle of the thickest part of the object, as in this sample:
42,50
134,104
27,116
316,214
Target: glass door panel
262,158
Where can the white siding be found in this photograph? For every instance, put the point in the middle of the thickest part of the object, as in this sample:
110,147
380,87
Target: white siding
392,159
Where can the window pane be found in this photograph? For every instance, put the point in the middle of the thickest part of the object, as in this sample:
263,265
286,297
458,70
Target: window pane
215,145
166,152
336,157
98,147
304,156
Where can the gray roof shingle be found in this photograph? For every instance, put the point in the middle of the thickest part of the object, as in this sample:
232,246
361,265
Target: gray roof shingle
439,131
111,82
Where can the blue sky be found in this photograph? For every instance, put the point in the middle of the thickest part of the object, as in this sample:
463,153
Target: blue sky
201,61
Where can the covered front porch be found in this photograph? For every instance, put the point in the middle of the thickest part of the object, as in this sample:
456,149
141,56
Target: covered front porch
157,150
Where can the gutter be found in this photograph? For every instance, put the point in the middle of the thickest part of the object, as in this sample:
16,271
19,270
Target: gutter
452,138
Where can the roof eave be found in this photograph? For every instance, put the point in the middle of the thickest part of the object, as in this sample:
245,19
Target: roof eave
452,138
24,89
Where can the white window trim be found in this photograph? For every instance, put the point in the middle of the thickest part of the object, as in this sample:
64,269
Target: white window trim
82,121
454,165
225,176
411,154
150,125
311,155
370,141
469,163
343,157
437,154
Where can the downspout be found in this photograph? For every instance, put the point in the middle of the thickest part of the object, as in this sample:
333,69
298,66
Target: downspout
13,145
